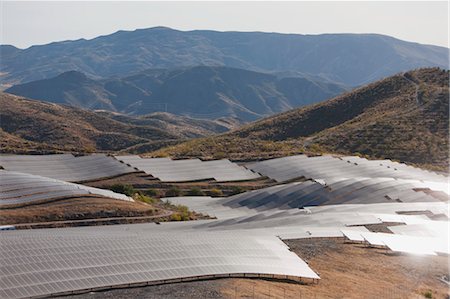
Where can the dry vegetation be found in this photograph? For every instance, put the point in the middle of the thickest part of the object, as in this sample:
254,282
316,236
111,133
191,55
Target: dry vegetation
40,127
410,126
146,191
231,147
403,117
76,209
156,189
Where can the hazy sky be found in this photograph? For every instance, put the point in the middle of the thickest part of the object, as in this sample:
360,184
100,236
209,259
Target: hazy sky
30,23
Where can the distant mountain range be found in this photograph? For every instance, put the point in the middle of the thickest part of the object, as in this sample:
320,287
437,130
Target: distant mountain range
403,117
350,59
34,126
200,92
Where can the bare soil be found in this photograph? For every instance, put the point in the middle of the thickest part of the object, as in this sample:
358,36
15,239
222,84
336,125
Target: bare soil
382,227
144,182
198,289
346,271
76,209
353,271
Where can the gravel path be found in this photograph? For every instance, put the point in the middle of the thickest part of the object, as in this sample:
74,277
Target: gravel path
197,289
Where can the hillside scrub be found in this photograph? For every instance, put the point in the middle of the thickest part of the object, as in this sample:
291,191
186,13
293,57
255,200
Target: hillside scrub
387,119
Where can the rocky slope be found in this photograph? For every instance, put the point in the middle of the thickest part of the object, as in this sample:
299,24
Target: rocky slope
205,92
34,126
403,117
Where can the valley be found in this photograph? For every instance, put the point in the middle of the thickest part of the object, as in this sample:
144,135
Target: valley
168,163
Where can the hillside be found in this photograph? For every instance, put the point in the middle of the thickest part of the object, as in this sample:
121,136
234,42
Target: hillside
352,59
403,117
206,92
34,126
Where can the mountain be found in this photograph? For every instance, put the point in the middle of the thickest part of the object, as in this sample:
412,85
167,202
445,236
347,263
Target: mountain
403,117
201,91
34,126
72,88
351,59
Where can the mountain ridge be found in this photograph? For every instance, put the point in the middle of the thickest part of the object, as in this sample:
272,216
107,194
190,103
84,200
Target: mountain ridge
403,117
352,59
35,126
201,92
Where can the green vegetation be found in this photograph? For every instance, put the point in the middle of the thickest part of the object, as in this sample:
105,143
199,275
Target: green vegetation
428,294
143,198
182,213
135,194
151,192
231,147
173,191
236,190
123,189
215,192
195,191
316,148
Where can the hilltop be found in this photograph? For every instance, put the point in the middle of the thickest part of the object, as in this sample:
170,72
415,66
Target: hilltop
199,92
403,117
35,126
351,59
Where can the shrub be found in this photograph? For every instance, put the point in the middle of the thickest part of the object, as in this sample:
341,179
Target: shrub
173,192
144,198
151,192
236,190
215,192
220,155
316,148
175,217
428,294
123,188
195,191
182,213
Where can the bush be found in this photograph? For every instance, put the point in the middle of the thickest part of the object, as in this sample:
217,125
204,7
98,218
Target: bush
124,189
175,217
236,190
316,148
173,192
144,198
151,192
182,213
428,294
195,191
220,155
215,192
